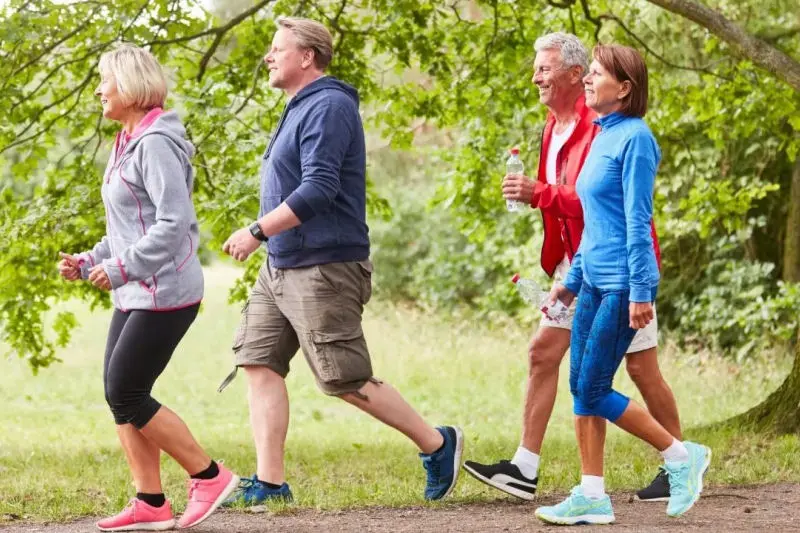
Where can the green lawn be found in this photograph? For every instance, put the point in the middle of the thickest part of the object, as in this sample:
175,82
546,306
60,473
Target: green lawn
59,457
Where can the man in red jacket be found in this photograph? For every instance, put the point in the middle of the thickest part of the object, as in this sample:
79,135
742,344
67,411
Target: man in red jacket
560,64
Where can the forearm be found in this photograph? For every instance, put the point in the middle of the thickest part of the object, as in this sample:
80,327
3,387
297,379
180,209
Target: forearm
279,219
558,200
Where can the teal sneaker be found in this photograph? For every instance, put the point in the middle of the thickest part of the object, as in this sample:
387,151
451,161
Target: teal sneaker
686,479
578,509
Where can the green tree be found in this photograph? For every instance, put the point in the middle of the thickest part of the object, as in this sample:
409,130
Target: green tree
725,100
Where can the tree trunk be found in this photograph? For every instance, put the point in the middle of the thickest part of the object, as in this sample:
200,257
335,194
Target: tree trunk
780,412
791,246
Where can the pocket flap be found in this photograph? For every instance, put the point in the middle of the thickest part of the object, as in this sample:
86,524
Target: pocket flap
345,333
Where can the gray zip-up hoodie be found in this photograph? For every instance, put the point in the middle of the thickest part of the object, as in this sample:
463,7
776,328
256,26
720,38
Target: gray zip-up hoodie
150,248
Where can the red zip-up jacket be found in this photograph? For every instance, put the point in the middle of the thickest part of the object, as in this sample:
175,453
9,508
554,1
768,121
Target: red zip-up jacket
562,214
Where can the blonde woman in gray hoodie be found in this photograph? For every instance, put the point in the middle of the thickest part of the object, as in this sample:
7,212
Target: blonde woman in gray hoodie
148,260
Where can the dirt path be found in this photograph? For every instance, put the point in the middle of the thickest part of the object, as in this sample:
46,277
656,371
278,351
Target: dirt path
767,508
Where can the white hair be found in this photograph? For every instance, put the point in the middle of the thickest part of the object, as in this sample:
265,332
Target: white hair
139,77
572,50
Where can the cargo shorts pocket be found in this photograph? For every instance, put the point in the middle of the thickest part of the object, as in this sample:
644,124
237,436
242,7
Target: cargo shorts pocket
241,332
340,357
365,269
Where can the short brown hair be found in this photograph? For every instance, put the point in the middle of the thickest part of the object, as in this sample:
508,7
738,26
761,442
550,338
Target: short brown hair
626,64
310,35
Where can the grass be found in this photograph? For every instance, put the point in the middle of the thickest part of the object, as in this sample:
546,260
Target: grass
59,457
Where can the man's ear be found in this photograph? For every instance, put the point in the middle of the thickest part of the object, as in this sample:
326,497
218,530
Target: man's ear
576,74
308,58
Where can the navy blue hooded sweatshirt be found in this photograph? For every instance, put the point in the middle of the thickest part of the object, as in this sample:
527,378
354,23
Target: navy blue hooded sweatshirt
316,163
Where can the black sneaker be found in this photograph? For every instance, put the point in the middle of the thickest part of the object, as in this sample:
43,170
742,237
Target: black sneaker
657,491
505,476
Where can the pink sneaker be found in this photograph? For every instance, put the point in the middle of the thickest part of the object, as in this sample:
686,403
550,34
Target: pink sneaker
139,516
205,495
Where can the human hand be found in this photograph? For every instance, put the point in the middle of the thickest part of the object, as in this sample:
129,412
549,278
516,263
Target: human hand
241,244
518,187
99,278
561,293
641,313
69,267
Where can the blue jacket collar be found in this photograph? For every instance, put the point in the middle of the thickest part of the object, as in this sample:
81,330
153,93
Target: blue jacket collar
610,120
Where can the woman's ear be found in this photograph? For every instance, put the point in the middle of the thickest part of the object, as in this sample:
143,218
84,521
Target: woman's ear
624,89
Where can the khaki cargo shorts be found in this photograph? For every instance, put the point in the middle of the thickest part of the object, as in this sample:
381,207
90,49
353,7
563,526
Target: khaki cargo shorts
316,308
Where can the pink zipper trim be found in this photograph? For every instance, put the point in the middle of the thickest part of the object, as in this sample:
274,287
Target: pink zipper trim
177,308
122,271
191,250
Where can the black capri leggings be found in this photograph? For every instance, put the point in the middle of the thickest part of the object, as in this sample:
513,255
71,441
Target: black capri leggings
139,346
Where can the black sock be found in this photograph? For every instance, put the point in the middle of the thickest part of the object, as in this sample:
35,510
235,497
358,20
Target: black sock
156,500
209,473
271,486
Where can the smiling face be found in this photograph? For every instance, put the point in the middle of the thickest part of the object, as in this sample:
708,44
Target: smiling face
287,62
555,81
604,93
110,99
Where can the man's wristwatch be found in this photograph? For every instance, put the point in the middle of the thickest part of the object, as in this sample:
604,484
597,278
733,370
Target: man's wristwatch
255,231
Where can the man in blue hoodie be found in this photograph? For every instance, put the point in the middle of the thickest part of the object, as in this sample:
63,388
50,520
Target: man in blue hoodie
311,291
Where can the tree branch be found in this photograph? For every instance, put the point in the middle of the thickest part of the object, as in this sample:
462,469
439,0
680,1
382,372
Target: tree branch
217,30
650,51
756,50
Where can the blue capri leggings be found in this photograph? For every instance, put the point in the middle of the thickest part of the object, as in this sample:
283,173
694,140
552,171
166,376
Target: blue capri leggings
600,337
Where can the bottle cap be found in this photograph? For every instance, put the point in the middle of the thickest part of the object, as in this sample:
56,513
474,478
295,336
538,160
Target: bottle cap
515,278
514,151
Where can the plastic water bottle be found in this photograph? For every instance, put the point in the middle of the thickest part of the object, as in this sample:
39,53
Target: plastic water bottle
514,167
531,292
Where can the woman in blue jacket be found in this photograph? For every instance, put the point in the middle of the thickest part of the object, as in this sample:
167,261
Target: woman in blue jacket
615,276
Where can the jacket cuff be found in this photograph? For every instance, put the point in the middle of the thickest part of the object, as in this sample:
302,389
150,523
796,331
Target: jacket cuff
85,264
574,285
301,209
538,187
116,272
641,294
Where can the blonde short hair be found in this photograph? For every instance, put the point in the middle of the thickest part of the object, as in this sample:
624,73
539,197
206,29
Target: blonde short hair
140,79
311,35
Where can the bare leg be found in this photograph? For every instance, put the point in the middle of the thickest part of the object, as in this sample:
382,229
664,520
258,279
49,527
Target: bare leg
167,431
385,403
269,418
591,434
143,459
547,349
645,373
640,423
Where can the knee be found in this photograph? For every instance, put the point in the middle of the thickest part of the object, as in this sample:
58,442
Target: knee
260,377
543,357
127,405
643,370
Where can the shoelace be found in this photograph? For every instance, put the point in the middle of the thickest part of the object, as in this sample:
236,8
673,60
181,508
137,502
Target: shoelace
675,478
193,485
434,469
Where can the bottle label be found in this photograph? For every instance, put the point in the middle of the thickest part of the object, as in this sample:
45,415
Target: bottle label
556,312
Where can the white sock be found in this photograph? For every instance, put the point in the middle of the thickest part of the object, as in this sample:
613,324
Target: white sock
676,452
527,462
593,487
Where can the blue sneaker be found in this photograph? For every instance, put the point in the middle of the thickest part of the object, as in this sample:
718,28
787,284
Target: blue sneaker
578,509
252,491
686,479
443,466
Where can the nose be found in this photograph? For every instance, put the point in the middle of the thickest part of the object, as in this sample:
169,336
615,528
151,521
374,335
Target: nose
97,91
